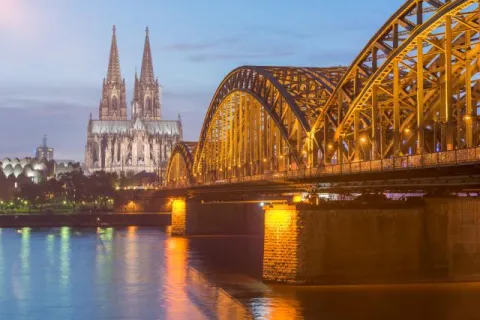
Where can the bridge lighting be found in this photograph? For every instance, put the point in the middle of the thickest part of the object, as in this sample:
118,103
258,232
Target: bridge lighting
262,204
297,198
407,130
467,117
363,139
330,146
265,160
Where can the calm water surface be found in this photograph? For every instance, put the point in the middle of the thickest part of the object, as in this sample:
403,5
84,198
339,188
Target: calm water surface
135,273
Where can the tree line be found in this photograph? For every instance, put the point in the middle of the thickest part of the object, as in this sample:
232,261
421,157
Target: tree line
72,190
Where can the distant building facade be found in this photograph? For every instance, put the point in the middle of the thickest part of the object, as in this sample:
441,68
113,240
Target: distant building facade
35,170
142,143
44,152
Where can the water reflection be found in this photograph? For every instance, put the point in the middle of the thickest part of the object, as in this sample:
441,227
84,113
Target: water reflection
175,281
138,273
2,268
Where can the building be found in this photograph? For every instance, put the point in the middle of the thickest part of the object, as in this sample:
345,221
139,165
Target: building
143,142
44,152
35,170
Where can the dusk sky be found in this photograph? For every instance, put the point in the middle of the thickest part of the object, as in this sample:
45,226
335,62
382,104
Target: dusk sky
54,55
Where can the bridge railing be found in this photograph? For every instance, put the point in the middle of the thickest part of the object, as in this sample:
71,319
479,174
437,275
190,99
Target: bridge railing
420,161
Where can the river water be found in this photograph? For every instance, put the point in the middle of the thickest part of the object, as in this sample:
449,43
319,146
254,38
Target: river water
143,273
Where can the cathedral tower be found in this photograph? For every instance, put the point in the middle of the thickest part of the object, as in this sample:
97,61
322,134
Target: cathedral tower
146,103
113,104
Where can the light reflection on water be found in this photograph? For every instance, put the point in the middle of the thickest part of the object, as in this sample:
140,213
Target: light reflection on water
141,273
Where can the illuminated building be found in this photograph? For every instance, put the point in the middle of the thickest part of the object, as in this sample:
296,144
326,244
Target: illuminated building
34,170
44,152
142,143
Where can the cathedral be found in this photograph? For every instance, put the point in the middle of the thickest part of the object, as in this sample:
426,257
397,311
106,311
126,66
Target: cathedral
144,142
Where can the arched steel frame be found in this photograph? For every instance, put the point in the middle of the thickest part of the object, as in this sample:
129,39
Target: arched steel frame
289,97
416,80
180,164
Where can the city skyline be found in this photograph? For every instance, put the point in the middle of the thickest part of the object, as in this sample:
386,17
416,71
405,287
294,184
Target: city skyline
55,62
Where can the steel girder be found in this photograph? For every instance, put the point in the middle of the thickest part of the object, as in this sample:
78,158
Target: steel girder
180,164
289,95
418,72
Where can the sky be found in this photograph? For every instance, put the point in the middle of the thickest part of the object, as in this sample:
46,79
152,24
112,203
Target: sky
54,55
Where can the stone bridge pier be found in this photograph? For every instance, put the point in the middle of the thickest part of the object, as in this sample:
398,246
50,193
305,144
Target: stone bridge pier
438,240
434,240
194,217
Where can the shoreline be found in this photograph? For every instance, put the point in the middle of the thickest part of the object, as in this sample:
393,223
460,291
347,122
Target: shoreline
85,220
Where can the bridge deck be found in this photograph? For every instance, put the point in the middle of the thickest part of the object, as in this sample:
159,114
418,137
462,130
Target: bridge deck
412,163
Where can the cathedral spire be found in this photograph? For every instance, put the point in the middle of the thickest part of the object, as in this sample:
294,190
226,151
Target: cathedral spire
146,73
113,73
113,105
135,86
146,103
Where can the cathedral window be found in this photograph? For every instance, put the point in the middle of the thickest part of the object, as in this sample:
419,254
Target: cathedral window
148,104
114,103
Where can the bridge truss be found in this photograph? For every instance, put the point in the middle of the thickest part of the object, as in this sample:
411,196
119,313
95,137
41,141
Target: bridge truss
413,90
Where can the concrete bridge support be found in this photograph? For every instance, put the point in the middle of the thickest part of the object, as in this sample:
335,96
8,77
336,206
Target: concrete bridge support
438,240
192,217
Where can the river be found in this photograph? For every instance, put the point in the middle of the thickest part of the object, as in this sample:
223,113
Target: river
143,273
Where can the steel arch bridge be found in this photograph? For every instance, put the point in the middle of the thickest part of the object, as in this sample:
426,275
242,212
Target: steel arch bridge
180,164
411,93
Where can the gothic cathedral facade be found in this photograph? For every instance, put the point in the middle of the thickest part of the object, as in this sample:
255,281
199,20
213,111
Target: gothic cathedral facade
142,143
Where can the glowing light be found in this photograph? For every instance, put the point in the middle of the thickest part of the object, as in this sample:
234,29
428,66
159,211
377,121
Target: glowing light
297,198
363,139
264,160
262,204
467,117
131,206
330,146
64,202
407,130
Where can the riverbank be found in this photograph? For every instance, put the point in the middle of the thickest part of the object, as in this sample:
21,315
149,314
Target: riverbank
85,220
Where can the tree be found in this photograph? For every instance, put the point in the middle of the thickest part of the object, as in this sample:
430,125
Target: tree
101,187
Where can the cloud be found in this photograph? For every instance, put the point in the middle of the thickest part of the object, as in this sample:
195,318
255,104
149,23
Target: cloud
28,112
279,31
201,45
192,106
331,58
239,56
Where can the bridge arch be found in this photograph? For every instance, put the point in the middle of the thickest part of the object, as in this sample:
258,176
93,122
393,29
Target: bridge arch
413,89
180,164
259,120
